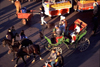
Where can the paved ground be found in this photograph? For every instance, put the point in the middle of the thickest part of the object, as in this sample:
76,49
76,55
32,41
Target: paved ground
72,58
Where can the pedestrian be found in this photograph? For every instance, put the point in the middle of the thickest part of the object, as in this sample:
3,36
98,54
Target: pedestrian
42,19
96,9
18,6
42,9
22,35
14,33
42,16
9,35
95,23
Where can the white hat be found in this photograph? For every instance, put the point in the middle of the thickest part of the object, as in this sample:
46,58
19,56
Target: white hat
41,12
56,26
62,17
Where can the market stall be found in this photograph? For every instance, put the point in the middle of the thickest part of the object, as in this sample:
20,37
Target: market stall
56,8
86,4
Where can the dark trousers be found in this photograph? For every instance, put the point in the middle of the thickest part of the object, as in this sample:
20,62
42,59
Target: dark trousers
95,22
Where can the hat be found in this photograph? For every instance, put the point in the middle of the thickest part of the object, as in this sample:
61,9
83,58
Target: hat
62,17
41,12
56,25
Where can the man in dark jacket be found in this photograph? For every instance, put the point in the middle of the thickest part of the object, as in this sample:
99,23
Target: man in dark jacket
59,61
96,9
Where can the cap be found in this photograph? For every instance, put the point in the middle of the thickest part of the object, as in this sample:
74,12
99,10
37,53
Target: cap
56,25
62,17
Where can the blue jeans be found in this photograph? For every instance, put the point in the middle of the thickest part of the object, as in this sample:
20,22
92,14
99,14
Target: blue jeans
52,63
22,37
58,64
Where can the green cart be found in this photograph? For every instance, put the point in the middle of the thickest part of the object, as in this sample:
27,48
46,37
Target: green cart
81,42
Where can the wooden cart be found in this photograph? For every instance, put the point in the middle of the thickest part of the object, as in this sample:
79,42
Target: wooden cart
26,17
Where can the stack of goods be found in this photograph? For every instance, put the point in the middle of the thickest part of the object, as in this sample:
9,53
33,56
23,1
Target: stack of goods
85,3
78,21
60,5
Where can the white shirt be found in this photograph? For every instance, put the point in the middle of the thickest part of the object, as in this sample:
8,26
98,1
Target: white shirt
94,3
77,29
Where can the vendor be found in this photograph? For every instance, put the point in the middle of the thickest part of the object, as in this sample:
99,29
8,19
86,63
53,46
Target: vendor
96,9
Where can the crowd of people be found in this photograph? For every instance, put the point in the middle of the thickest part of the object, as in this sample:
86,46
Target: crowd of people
55,58
12,34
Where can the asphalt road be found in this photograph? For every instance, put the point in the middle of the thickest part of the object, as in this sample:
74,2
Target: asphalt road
72,58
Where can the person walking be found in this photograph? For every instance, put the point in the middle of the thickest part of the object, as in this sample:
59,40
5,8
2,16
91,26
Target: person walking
13,32
95,23
42,15
18,6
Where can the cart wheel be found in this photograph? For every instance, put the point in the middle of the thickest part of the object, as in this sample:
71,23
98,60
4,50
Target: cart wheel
84,44
58,49
24,21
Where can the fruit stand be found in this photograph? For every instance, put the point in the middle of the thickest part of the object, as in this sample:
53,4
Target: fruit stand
57,8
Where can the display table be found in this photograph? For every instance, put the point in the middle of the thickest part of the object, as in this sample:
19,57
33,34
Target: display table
58,8
86,5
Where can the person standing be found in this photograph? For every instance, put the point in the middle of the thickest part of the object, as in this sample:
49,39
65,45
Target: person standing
42,16
95,23
95,17
96,9
9,34
18,6
22,35
42,19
